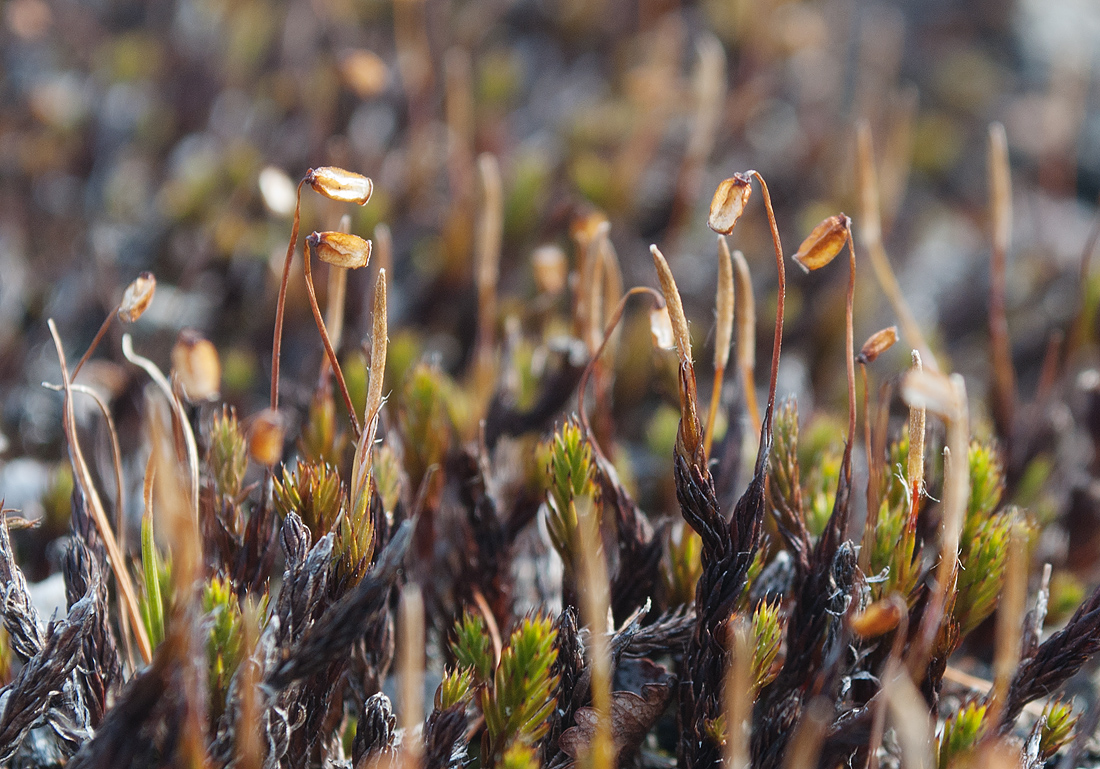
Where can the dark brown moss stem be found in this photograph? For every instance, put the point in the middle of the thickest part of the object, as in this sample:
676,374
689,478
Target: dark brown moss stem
277,343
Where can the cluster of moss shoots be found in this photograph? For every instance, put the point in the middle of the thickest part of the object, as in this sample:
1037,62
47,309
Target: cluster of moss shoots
893,603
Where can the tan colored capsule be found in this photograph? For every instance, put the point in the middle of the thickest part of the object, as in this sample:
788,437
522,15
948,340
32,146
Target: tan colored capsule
340,248
365,73
337,184
823,243
675,306
878,618
196,365
550,268
137,298
878,343
266,436
660,326
728,203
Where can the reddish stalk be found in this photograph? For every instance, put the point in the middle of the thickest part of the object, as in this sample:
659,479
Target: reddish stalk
849,336
780,301
95,343
333,361
277,343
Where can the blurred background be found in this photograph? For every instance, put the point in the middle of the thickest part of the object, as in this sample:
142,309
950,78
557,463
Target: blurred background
167,136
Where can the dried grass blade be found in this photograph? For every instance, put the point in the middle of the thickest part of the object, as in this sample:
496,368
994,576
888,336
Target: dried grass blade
84,478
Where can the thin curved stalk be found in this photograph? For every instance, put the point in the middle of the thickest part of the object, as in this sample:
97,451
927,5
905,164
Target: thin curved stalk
849,336
120,499
95,343
277,343
871,230
95,504
307,258
177,410
616,316
780,302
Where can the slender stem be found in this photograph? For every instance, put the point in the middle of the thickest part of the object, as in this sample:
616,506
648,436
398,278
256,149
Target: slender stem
582,417
1000,344
277,343
95,343
849,335
780,301
116,456
871,231
745,320
95,504
120,500
749,386
871,521
956,491
307,258
594,601
179,415
715,401
1077,328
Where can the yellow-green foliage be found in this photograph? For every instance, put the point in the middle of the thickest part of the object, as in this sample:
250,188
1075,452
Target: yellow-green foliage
783,468
314,492
321,441
223,643
517,695
1056,725
228,455
983,544
457,686
1066,594
519,755
571,476
986,487
356,377
5,657
155,599
961,733
354,545
767,630
388,473
893,548
821,485
684,566
894,542
811,496
425,419
522,696
472,648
